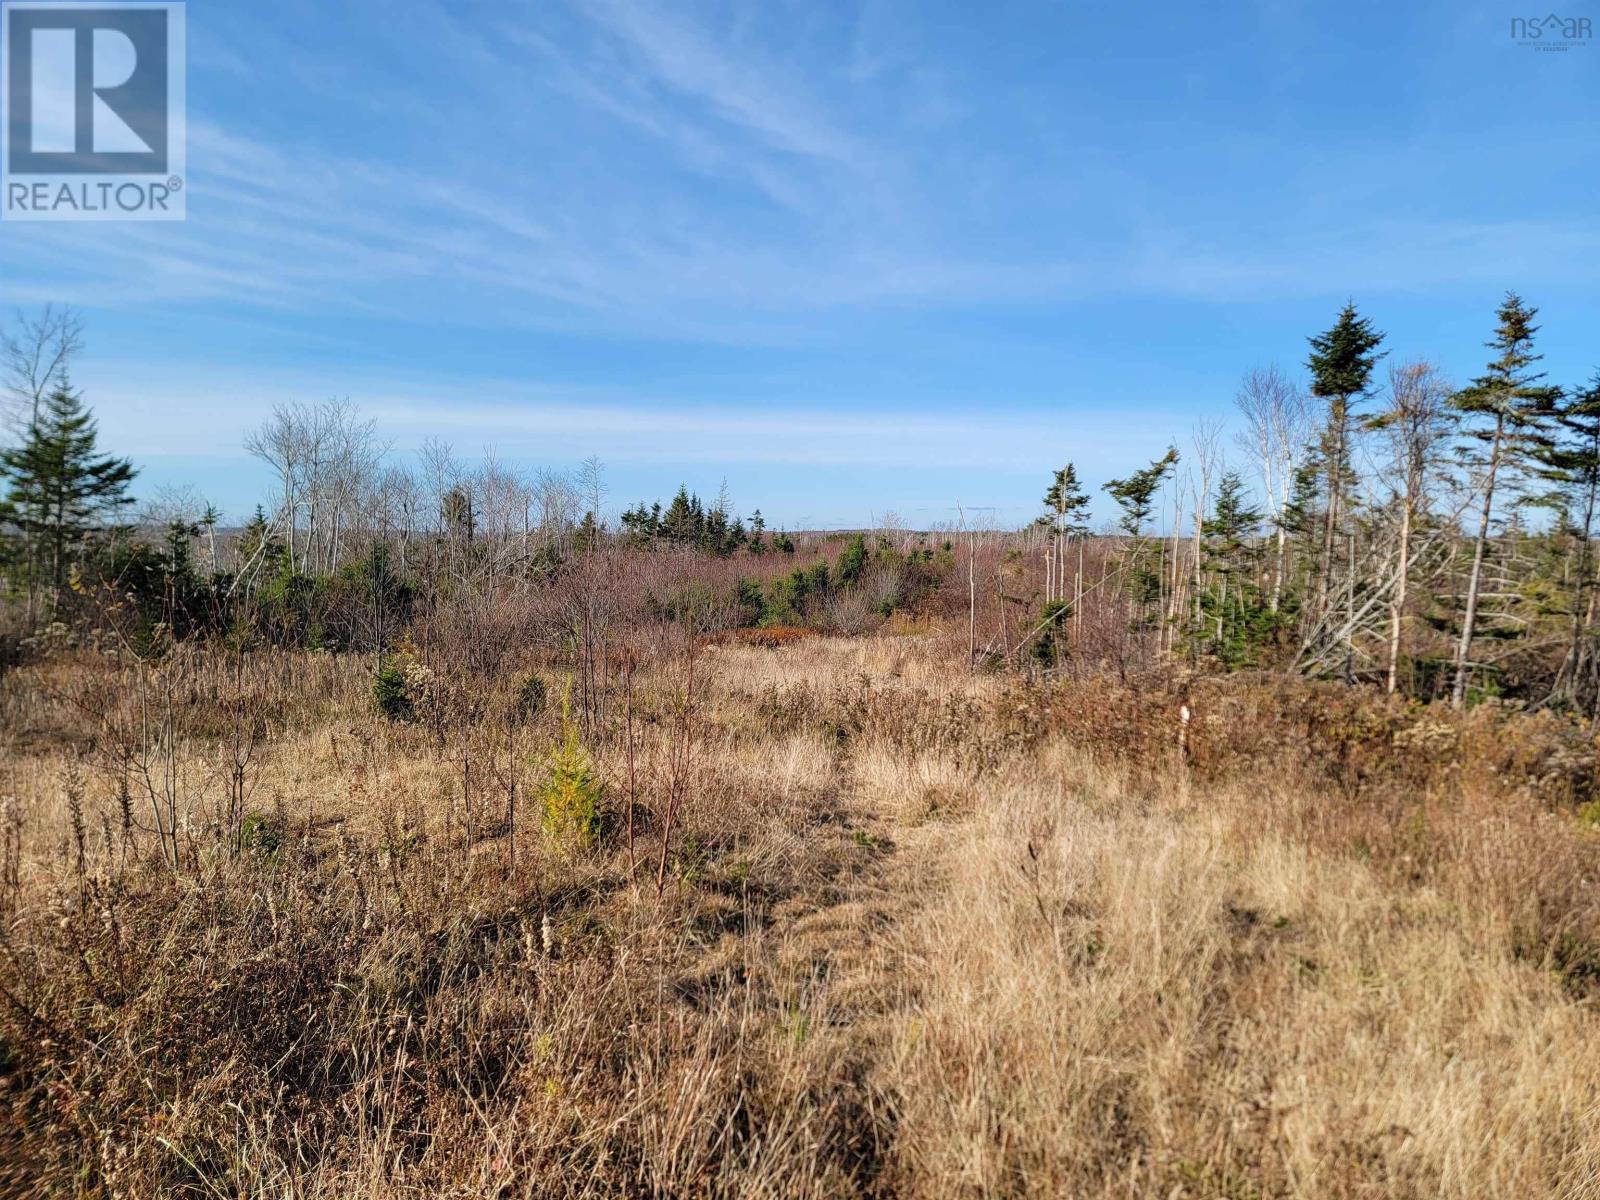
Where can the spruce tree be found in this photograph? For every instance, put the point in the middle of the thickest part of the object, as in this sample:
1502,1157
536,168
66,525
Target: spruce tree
208,522
590,531
1066,504
1301,521
1232,520
642,525
718,534
257,542
458,514
684,520
854,559
1573,463
1341,364
1136,494
1507,411
1228,530
1066,512
59,490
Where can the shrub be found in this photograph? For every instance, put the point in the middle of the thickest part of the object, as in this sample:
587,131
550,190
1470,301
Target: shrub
790,598
365,602
752,606
532,693
389,691
851,611
887,583
14,652
698,604
818,583
854,560
572,794
785,600
261,833
1046,649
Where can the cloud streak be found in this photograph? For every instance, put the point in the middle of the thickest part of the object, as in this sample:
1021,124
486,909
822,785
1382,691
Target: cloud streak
701,179
199,414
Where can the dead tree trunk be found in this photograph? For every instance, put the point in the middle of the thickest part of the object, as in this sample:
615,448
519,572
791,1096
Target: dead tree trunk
1458,694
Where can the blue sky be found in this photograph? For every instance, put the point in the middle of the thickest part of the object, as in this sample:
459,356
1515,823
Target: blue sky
854,258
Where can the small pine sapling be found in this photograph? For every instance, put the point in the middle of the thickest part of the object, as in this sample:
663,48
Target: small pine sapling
571,796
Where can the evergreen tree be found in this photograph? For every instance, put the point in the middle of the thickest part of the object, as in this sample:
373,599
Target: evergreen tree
1234,619
752,607
180,556
1341,364
1508,411
458,514
721,534
385,599
642,525
684,520
1137,493
208,522
590,531
687,522
1302,514
1301,518
854,560
1233,521
1573,464
1066,510
59,490
256,542
1066,504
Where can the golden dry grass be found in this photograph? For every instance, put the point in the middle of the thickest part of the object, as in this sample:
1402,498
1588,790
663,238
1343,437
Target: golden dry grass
921,933
1165,1002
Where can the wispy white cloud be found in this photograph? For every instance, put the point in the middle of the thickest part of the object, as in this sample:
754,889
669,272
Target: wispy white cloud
740,85
700,174
1369,257
155,412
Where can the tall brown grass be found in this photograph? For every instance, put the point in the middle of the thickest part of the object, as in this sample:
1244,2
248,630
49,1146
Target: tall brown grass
857,920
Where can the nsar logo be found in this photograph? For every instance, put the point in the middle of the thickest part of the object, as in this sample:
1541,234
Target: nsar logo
1551,32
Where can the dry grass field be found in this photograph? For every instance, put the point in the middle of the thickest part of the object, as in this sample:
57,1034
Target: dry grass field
846,920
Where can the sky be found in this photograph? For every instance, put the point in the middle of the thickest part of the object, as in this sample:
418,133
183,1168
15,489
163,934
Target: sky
853,259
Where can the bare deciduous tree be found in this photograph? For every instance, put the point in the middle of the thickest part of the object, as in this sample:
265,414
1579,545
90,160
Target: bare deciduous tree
1206,463
36,354
326,458
1416,423
1277,427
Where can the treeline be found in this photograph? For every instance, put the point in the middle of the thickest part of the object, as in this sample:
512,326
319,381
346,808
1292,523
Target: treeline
355,550
687,522
1388,526
1376,522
